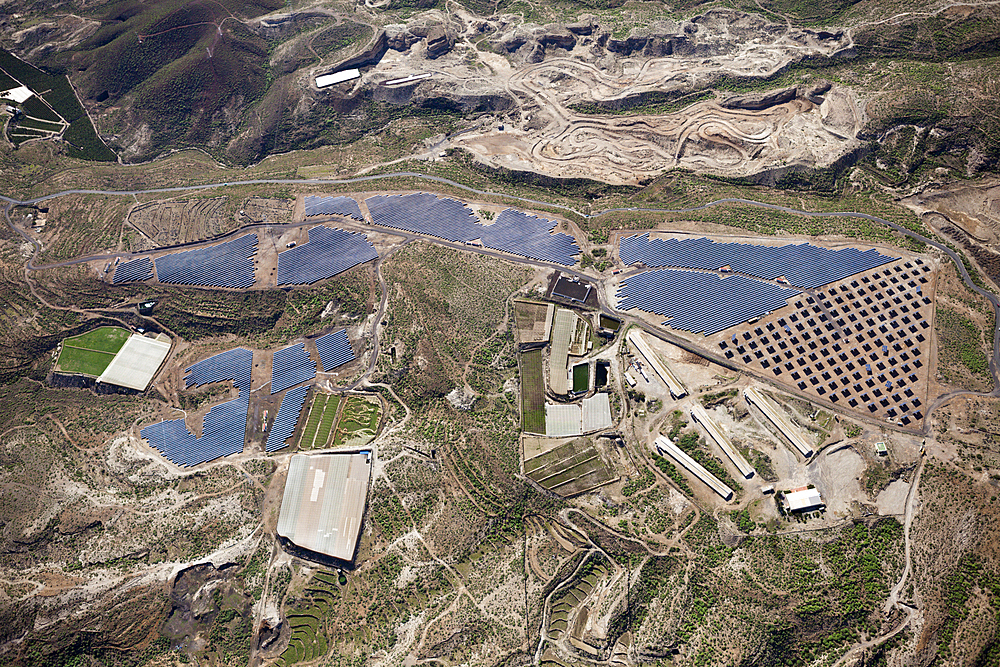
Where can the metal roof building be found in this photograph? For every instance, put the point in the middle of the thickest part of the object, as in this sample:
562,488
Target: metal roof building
803,500
324,502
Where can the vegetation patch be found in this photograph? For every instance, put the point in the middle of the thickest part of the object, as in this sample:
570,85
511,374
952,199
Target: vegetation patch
358,422
532,392
90,353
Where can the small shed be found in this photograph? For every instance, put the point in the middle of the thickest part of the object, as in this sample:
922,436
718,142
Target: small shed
803,500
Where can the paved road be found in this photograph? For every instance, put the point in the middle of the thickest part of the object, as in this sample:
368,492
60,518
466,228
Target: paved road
656,331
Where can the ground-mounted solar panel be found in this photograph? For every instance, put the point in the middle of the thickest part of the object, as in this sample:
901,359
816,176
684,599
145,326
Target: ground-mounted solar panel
803,265
235,365
529,236
701,302
134,270
286,419
223,433
228,264
425,213
292,365
513,231
334,350
328,252
345,206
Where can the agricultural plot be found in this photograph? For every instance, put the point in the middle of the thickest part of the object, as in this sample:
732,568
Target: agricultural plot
309,640
533,321
169,223
581,377
569,469
358,422
90,353
566,603
532,392
322,414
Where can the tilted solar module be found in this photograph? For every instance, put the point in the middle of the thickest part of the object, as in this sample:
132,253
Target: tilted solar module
424,213
529,236
140,268
332,206
334,350
292,365
286,419
701,302
235,365
225,424
513,231
328,252
803,265
228,264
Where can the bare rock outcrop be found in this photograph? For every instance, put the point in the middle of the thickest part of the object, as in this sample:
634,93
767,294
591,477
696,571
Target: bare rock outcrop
758,101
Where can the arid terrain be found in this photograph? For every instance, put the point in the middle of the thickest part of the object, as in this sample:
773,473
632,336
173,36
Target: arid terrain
560,460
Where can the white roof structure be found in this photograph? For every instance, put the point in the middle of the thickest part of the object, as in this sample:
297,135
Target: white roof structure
337,77
19,94
693,467
137,362
562,420
667,376
595,412
701,416
777,417
324,502
804,500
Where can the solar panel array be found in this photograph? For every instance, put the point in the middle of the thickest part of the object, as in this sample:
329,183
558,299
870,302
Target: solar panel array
701,302
424,213
529,236
286,419
228,264
513,231
235,365
292,365
328,252
863,343
332,206
224,429
803,265
131,271
334,350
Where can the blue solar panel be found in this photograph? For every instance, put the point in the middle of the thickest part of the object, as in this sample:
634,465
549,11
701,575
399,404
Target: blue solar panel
286,419
292,365
235,365
334,350
699,302
513,231
328,252
332,206
225,425
136,269
228,264
803,265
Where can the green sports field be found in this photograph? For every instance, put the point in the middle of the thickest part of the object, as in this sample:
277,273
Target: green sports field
91,352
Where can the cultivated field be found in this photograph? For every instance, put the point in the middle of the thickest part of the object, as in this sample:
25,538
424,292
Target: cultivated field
532,392
90,353
570,469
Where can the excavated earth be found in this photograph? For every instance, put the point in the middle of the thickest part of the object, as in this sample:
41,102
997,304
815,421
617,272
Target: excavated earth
539,77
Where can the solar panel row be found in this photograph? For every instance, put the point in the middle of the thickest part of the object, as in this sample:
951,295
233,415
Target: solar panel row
701,302
803,265
332,206
223,434
235,365
225,425
286,419
328,252
513,231
137,269
292,365
228,264
334,350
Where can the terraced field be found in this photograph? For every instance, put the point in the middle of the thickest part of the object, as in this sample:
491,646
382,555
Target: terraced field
569,469
565,604
309,640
